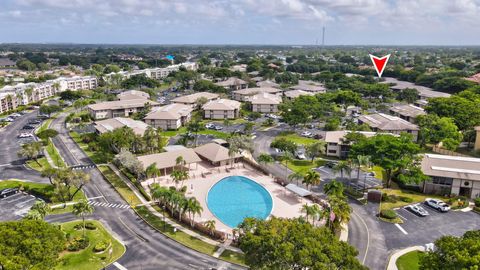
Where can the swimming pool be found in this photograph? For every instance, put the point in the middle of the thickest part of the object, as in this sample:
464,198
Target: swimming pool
236,197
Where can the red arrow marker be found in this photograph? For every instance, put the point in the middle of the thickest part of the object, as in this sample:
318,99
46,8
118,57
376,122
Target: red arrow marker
379,63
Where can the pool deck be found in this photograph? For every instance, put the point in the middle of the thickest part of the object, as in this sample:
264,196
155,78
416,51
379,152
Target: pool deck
285,203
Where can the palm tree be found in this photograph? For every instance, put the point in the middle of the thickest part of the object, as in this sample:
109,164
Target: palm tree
152,171
210,225
232,151
341,167
195,127
41,207
296,176
310,211
334,188
179,161
151,139
286,157
160,194
193,208
82,208
179,176
337,212
265,159
361,161
311,178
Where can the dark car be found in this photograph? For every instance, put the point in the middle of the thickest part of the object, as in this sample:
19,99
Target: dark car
34,121
8,192
28,127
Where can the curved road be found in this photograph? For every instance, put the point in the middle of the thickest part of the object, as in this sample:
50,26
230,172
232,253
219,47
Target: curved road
146,248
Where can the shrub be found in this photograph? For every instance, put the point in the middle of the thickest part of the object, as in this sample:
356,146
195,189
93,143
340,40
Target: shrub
406,199
477,202
476,209
90,226
78,243
101,246
388,214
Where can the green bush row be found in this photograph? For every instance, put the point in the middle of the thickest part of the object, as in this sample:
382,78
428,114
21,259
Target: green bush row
388,214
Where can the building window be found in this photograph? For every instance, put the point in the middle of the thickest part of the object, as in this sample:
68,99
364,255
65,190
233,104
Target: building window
444,181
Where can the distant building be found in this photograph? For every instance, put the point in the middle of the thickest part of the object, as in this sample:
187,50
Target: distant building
133,94
265,102
192,99
407,112
119,108
424,93
216,154
452,175
233,83
337,146
380,122
291,94
7,63
77,83
221,109
8,102
245,94
169,117
309,86
108,125
268,84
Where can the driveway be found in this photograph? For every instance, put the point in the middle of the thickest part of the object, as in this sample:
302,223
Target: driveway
16,206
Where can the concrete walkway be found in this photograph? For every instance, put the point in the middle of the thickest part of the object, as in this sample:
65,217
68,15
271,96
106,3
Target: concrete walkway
392,263
222,246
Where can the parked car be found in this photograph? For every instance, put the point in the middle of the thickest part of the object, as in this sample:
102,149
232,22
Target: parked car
317,136
14,115
273,116
329,164
25,135
9,119
437,204
417,209
28,127
210,126
307,134
218,127
34,121
300,155
8,192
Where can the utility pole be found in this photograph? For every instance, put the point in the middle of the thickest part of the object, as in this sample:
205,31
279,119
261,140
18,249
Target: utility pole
323,36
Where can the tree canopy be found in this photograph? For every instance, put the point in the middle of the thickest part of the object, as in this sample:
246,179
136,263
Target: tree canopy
294,244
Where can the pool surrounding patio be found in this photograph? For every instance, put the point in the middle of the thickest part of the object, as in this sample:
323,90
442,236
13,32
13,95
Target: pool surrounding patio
235,198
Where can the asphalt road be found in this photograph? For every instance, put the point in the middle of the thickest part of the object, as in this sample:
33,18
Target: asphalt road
146,248
11,166
16,206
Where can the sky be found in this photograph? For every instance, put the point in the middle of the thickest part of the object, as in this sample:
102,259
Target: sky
346,22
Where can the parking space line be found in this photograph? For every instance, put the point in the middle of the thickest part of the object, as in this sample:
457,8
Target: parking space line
119,266
401,229
401,216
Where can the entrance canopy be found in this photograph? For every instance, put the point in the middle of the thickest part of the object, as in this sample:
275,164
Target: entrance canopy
298,190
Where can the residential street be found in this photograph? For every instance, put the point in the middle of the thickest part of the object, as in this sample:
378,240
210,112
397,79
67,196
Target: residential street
146,248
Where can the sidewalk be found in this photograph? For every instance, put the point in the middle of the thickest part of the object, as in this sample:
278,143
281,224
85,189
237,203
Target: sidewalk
222,246
392,263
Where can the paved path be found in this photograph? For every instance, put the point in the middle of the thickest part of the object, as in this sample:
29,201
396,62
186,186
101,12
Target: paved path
392,263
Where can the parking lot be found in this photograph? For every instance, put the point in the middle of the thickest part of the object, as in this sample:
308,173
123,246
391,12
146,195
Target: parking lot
16,206
365,180
417,230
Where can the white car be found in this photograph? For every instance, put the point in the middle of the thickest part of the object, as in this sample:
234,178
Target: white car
25,135
9,119
273,116
307,134
210,126
417,209
301,156
437,204
15,115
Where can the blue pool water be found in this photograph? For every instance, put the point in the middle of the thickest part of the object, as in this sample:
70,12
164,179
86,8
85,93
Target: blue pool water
236,197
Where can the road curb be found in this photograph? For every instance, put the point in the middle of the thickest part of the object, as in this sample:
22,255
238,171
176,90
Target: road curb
392,261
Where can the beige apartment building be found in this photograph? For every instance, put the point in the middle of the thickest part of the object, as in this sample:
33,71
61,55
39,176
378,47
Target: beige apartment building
452,175
245,94
336,145
8,102
111,124
191,100
133,94
309,86
265,103
119,108
169,117
222,109
291,94
233,83
380,122
407,112
77,83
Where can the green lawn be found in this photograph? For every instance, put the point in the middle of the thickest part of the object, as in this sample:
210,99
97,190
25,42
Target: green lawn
409,261
34,165
185,239
87,259
54,155
232,256
122,188
98,157
44,126
296,138
304,165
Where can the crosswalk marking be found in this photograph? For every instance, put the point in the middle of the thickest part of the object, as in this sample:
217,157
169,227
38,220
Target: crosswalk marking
109,205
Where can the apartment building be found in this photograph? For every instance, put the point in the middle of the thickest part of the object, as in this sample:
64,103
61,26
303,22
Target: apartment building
233,84
268,83
424,93
336,146
452,175
222,109
133,94
108,125
245,94
380,122
309,86
265,102
169,117
291,94
191,100
407,112
8,101
119,108
76,83
154,73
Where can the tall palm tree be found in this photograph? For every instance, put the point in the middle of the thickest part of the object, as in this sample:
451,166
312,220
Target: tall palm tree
41,207
342,167
193,208
310,211
286,157
152,171
337,212
361,161
82,208
311,178
179,176
334,188
232,151
210,225
179,162
151,139
296,176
